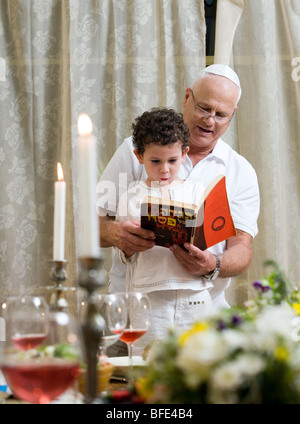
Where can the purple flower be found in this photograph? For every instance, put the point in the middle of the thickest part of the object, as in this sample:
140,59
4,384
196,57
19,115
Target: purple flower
222,325
258,286
236,320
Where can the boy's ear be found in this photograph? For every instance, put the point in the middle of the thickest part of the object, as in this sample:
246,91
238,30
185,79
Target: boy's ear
139,157
184,153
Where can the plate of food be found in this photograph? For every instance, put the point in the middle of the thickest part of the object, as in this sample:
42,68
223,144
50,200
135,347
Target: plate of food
121,364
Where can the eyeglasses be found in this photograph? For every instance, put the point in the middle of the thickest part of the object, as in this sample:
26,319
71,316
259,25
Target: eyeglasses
201,113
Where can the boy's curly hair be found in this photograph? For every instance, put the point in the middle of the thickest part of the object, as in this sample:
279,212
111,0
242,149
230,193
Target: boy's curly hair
160,126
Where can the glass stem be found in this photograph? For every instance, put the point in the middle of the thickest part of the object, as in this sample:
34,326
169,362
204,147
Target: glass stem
131,379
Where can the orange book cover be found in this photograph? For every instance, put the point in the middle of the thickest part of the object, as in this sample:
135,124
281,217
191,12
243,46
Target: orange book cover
203,225
214,221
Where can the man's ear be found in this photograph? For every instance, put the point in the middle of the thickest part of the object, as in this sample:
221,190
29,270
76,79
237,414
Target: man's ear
139,157
186,96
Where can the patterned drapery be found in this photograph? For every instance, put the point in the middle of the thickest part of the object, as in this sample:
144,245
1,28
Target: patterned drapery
112,59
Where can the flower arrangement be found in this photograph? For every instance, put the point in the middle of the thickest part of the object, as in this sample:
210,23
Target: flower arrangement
243,355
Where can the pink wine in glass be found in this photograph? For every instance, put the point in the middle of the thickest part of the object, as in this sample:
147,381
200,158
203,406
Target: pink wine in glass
40,382
28,341
130,336
117,331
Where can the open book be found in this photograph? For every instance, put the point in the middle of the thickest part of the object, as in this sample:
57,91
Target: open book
203,225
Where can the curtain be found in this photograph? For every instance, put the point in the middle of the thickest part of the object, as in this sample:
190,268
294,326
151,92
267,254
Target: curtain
265,52
111,59
35,129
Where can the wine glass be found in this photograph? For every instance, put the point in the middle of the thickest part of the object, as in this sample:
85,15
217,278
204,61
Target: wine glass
138,321
26,320
112,308
42,374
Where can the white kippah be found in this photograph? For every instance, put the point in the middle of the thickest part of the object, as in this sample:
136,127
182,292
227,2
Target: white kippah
224,71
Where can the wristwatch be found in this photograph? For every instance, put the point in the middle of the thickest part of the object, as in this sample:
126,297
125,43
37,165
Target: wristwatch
215,272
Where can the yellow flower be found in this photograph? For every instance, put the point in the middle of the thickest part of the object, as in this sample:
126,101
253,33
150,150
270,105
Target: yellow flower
143,388
197,328
281,354
296,307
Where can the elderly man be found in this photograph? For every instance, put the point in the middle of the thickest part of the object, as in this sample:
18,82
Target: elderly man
208,108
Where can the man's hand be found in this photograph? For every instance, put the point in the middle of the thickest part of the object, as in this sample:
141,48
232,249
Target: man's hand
235,260
195,261
126,235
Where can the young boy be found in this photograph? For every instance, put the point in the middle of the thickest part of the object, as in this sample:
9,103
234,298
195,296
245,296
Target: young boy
160,139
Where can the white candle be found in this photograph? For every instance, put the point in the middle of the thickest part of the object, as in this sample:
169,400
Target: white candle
59,216
87,151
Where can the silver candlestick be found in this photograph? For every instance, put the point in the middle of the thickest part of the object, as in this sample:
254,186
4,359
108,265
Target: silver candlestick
92,277
58,301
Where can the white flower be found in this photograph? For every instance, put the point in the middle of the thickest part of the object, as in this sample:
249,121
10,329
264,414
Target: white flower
235,339
250,364
199,353
276,319
272,324
231,375
226,376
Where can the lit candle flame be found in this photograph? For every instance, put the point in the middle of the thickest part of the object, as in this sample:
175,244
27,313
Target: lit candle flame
84,125
60,174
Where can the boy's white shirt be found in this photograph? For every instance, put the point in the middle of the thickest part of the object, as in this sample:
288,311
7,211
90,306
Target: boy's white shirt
157,268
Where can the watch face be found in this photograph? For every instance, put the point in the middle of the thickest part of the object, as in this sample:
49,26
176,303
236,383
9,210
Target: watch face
217,269
215,274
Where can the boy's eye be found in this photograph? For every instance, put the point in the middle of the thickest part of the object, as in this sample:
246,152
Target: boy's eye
158,161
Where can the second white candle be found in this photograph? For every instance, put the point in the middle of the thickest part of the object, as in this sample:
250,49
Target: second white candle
87,150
